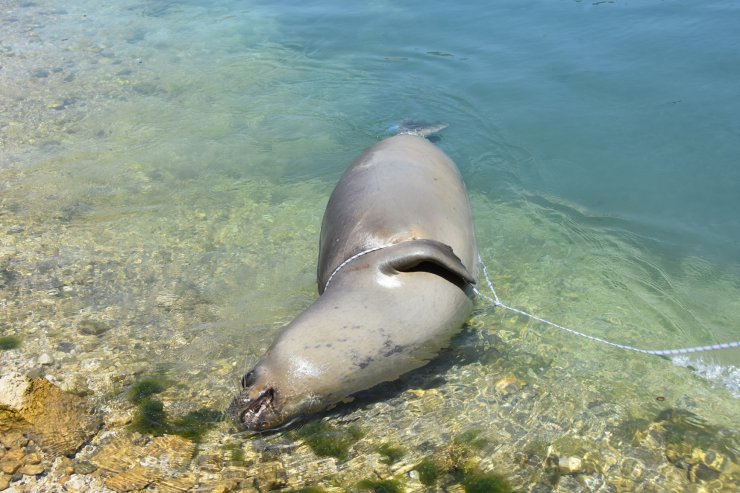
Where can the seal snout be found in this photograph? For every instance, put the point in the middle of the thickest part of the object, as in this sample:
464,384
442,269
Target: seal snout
252,410
251,415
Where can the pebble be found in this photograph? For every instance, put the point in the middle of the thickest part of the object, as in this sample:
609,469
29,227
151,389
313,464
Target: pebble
33,458
570,465
13,439
32,469
13,387
9,466
40,73
84,467
92,327
45,359
509,385
4,481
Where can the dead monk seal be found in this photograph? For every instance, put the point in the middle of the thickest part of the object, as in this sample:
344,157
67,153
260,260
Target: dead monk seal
397,260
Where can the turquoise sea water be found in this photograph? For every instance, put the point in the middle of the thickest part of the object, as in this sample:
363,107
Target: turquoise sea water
164,166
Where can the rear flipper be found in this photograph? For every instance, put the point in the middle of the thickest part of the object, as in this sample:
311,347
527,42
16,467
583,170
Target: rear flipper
428,256
422,129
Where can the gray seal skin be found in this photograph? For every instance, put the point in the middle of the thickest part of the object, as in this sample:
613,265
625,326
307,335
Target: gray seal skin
397,260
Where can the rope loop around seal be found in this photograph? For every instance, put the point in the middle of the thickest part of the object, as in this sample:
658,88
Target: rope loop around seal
496,302
350,259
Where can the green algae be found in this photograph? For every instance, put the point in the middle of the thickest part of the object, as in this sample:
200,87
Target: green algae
391,453
150,418
145,388
235,451
195,424
458,460
476,481
9,342
309,489
329,441
471,438
429,471
381,485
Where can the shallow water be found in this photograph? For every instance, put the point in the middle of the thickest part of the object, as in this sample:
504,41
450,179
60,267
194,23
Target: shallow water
165,166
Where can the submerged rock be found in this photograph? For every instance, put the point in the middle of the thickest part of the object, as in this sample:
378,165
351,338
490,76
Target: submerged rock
570,465
127,465
59,422
509,385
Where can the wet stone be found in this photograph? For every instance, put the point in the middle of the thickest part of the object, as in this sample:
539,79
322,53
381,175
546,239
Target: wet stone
62,421
32,469
270,476
92,327
45,359
13,387
4,481
13,439
9,467
509,385
32,458
700,472
65,347
40,74
570,465
84,467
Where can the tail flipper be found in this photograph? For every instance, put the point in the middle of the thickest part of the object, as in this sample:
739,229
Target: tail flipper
422,129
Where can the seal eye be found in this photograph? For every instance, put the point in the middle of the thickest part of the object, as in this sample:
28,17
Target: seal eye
248,379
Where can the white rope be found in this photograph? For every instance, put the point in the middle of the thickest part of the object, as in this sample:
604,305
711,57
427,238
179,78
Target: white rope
657,352
496,302
357,255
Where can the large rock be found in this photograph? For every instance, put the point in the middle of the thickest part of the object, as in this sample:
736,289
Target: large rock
60,422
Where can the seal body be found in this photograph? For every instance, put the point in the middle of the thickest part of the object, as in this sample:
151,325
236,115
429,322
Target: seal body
397,260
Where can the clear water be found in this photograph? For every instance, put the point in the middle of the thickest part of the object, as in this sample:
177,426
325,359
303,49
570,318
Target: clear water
164,167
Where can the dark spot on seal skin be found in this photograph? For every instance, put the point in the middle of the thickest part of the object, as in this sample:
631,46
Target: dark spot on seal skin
394,350
364,363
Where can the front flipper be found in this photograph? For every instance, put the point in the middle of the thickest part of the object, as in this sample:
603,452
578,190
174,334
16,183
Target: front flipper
427,256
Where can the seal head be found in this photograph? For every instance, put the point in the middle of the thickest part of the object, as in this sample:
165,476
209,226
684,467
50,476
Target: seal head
360,332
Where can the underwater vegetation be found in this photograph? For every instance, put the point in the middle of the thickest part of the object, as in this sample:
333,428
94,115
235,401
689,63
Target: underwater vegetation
471,439
381,485
458,460
9,342
151,418
236,453
327,440
308,489
145,388
391,453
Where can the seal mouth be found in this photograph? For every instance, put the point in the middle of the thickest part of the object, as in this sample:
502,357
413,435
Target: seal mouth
253,415
257,406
